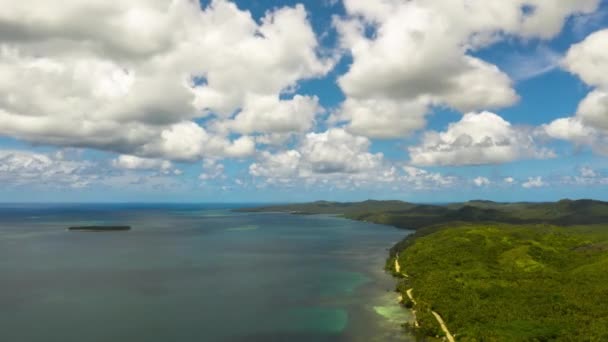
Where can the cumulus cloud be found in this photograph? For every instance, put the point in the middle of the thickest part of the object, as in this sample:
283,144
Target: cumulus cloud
339,158
332,152
337,151
593,110
586,176
572,129
189,141
160,82
422,179
128,162
269,114
589,126
481,181
409,56
212,169
589,59
534,182
588,172
479,138
319,155
381,118
132,77
63,170
24,167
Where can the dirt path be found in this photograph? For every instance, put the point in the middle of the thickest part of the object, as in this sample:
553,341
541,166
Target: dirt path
447,333
409,294
398,267
444,327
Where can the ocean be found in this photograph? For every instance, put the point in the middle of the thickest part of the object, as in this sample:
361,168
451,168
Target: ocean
193,273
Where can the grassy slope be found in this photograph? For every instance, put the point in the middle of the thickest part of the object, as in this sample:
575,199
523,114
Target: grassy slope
514,283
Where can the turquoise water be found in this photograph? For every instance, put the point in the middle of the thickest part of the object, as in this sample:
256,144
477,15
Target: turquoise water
193,273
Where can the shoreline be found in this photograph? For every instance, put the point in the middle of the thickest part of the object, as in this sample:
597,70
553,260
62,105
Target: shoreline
481,218
409,293
396,266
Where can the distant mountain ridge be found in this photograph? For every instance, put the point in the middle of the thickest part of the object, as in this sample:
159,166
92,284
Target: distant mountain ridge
414,216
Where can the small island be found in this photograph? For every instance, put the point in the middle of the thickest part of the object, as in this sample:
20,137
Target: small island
99,228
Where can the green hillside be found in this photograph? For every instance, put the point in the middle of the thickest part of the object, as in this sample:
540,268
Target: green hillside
416,216
496,271
496,282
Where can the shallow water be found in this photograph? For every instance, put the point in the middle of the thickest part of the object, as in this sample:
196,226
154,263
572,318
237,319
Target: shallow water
193,273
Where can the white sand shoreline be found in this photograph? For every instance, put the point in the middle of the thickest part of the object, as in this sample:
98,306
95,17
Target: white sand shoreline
410,295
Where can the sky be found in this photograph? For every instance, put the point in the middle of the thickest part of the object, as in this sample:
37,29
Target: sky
291,101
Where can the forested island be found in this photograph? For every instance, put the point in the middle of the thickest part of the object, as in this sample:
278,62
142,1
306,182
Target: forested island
495,271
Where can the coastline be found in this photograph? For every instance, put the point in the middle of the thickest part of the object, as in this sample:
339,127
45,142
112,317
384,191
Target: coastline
396,271
410,296
534,247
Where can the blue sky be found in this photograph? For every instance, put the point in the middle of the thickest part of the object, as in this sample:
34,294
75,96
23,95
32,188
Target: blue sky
427,101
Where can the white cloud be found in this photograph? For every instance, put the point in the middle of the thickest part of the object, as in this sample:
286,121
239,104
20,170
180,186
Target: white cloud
418,56
166,81
189,141
381,118
593,110
423,179
589,61
212,170
269,114
509,180
240,148
481,181
336,158
332,152
588,172
534,182
66,170
276,139
586,177
479,138
570,129
24,167
128,162
282,165
131,77
337,151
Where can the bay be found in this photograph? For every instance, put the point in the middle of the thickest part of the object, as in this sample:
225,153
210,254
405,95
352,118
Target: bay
190,272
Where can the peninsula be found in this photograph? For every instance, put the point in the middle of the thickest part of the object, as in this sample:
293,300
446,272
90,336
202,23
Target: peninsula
494,271
416,216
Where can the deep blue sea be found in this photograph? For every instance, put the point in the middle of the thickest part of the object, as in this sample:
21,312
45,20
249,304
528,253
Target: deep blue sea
193,273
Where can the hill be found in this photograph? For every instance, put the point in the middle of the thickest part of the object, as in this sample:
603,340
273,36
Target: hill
416,216
495,271
497,282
